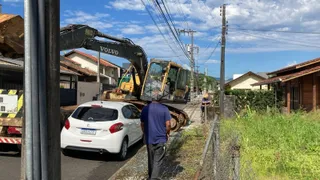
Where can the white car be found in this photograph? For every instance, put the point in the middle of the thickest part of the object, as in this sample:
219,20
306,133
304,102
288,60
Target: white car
102,126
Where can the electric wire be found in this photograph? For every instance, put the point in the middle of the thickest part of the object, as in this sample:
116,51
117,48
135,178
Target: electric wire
282,40
157,12
213,50
150,14
278,31
209,45
181,12
170,28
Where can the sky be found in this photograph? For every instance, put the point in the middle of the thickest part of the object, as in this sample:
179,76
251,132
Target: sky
263,35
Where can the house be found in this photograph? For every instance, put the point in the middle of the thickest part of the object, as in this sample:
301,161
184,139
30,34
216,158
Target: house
11,77
245,81
300,83
109,72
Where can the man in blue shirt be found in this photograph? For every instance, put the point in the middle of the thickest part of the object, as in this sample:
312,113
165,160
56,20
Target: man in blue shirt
155,124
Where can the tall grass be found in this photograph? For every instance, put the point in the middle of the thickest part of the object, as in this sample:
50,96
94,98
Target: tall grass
277,146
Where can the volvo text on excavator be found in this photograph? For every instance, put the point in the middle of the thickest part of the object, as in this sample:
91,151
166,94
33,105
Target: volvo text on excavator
162,80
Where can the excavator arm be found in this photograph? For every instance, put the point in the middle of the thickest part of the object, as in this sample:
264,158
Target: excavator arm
83,36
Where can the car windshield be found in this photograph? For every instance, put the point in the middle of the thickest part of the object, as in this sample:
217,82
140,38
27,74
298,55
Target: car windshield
95,114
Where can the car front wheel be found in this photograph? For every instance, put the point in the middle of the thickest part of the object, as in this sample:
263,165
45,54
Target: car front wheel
124,150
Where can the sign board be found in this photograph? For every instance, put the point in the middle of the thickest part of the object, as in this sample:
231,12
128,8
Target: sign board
8,103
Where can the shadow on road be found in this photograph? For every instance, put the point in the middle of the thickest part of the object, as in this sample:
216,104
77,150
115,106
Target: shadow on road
104,157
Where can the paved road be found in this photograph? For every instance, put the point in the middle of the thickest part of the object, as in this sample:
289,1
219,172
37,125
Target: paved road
81,166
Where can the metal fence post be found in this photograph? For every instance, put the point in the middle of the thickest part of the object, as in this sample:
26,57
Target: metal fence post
214,166
236,160
216,149
205,113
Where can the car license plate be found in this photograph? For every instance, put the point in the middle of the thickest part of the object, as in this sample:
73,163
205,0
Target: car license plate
88,131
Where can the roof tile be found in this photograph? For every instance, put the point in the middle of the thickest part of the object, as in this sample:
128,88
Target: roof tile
296,66
288,77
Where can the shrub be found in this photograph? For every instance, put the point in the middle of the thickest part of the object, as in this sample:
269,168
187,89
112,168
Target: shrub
258,100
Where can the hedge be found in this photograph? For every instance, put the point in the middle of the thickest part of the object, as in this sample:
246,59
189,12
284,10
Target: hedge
258,100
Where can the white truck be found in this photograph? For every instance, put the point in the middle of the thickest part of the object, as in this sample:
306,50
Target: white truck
11,114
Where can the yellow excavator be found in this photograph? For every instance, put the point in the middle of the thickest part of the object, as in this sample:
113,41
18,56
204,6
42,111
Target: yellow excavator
143,82
159,79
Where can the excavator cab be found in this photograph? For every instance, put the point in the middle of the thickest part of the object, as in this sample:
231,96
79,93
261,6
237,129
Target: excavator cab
164,81
126,83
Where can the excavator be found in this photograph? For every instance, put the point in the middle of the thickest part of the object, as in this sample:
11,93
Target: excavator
160,79
143,82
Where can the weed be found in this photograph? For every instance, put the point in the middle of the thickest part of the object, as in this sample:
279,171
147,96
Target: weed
277,146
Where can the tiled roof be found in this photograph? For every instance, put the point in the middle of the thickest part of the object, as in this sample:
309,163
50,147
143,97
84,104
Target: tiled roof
20,64
102,61
68,71
288,77
75,67
296,66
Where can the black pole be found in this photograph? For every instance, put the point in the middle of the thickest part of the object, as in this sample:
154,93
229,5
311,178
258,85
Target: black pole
43,114
52,19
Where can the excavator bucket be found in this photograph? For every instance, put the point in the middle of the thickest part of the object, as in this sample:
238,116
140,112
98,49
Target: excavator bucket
11,35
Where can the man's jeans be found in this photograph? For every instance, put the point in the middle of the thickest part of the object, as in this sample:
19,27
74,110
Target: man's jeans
156,154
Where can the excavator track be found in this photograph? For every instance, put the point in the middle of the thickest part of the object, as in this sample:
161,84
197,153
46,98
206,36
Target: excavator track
179,117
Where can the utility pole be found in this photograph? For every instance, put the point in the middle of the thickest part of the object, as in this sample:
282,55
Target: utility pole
98,77
205,80
197,81
222,65
98,68
41,134
192,64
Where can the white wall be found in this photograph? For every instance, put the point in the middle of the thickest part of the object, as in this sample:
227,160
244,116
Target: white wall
245,83
92,65
86,91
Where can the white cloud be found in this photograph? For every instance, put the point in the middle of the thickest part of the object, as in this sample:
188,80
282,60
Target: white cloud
97,20
278,15
132,29
127,4
108,7
204,17
186,66
291,63
210,61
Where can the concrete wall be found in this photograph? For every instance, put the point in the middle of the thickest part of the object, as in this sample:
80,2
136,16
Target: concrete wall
245,83
86,91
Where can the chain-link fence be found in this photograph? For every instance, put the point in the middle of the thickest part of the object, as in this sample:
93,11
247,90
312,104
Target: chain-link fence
220,160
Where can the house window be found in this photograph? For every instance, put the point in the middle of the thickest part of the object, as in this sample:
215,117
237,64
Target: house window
1,99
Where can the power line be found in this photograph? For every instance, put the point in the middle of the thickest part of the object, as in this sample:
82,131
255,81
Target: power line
162,34
212,51
170,28
270,30
170,18
181,11
150,14
282,40
211,43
